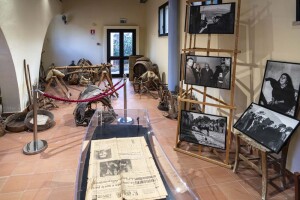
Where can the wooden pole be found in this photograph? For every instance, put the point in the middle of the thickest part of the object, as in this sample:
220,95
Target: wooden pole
29,78
237,31
27,82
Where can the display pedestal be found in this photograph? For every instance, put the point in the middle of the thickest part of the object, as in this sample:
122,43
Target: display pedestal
140,126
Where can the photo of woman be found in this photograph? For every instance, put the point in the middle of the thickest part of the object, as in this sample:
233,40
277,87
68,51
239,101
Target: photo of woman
280,88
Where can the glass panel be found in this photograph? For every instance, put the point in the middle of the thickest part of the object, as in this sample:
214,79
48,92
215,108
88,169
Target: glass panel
128,43
114,44
126,66
167,19
115,69
161,21
107,124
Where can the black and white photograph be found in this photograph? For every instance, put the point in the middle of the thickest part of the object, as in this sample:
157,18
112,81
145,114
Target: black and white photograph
125,165
267,127
280,87
208,71
102,154
110,168
205,129
212,19
208,2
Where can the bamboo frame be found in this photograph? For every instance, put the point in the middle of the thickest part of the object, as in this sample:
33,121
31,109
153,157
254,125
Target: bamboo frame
28,82
185,99
230,51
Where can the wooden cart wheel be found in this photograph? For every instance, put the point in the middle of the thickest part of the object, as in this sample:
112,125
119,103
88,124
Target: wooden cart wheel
15,123
41,125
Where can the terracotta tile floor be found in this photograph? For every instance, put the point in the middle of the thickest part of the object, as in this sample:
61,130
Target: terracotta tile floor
51,174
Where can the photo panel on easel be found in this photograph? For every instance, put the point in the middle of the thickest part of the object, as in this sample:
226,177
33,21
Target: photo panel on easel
208,71
267,127
212,19
204,129
280,87
208,2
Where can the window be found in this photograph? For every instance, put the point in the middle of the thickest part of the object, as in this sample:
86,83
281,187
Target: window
298,10
163,17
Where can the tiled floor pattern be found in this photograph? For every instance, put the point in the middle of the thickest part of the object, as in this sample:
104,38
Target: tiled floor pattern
51,174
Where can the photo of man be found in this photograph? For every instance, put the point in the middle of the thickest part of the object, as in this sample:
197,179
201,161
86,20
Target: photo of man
208,71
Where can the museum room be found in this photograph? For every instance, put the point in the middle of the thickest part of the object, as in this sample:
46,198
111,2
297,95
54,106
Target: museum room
149,99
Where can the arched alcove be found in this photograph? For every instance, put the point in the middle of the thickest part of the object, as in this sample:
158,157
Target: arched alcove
8,79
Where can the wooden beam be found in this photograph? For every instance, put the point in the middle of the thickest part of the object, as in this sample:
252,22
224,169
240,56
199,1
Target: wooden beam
83,67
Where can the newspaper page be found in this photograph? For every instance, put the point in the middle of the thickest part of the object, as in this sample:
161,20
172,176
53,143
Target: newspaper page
104,180
123,168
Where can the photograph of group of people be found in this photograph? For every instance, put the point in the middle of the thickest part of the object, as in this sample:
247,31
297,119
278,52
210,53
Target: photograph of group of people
280,88
269,128
115,167
204,129
212,19
208,71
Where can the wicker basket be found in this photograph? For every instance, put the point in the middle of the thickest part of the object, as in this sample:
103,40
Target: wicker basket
44,125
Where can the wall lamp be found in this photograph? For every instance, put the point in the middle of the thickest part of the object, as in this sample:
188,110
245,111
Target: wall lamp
64,18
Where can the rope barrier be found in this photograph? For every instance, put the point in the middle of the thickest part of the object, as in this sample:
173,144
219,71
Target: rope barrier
113,86
95,98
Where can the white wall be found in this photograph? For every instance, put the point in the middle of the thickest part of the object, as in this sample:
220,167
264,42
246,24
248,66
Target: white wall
72,41
24,25
156,47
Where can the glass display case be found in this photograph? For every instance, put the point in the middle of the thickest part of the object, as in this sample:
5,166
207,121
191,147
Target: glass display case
124,124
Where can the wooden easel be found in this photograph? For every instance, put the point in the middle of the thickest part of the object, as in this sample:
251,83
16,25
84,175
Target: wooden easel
265,158
61,84
105,76
184,99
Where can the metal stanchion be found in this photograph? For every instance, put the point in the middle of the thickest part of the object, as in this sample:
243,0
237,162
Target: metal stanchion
36,146
125,119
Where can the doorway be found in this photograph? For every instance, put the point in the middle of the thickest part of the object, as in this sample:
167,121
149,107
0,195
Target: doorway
121,43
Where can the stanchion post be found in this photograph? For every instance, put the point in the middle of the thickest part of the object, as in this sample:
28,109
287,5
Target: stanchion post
125,119
125,97
36,146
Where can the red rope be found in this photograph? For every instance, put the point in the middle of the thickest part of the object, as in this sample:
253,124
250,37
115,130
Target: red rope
95,98
111,88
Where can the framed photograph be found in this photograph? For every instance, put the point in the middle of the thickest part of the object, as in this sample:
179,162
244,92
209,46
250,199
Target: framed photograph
298,10
208,2
212,19
280,87
267,127
208,71
204,129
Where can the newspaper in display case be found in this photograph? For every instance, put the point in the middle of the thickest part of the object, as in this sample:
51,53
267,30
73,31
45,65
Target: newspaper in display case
123,168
